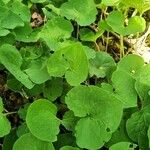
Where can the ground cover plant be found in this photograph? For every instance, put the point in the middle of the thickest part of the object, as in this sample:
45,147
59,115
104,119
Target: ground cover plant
74,74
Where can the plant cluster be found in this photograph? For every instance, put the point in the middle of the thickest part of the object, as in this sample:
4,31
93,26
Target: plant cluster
75,93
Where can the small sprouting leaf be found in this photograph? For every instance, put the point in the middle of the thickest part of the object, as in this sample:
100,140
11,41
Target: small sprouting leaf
98,122
116,21
137,127
69,148
83,12
102,65
56,31
42,121
123,146
29,142
123,79
12,60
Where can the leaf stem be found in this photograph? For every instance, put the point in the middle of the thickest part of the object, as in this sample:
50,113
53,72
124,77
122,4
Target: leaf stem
97,47
121,47
107,40
134,13
10,113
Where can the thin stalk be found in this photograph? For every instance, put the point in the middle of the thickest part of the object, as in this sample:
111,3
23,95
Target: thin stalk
10,113
134,13
107,41
121,47
97,47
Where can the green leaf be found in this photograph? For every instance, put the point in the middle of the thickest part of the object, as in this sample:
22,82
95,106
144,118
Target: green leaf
5,126
38,1
42,121
83,13
123,146
78,71
36,90
137,127
140,5
69,148
93,135
37,71
9,140
53,89
22,129
14,84
11,20
123,79
99,122
55,31
69,62
89,35
21,10
90,53
102,65
8,39
4,32
69,120
142,84
149,136
29,142
12,60
22,112
57,65
65,139
1,105
120,135
116,21
110,2
131,64
136,24
26,33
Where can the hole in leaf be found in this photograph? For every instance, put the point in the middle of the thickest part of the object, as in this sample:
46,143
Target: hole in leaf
108,129
131,146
